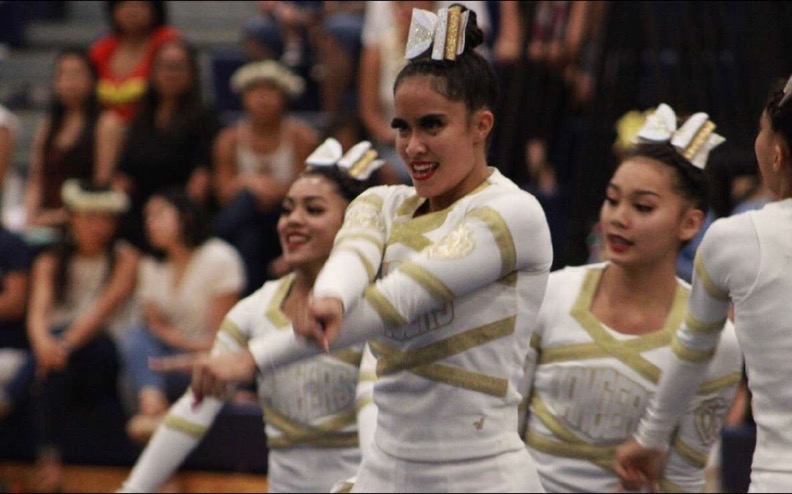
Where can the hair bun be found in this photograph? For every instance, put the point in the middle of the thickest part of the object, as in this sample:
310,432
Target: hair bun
474,36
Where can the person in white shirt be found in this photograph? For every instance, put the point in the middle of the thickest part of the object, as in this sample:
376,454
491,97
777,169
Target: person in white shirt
447,275
184,293
743,262
319,413
604,331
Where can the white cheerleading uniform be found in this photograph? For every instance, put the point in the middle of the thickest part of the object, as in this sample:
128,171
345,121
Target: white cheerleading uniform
310,408
591,384
744,260
453,310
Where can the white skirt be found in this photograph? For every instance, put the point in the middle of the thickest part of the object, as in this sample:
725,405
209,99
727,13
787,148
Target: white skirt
513,471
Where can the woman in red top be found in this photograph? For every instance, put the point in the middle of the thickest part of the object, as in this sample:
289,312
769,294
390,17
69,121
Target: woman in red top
124,58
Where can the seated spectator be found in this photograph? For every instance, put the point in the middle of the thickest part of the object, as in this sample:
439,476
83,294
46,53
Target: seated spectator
77,309
124,57
184,297
8,128
169,141
339,47
255,162
74,140
15,259
280,32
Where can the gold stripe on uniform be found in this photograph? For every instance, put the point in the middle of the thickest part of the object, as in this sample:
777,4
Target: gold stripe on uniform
179,424
367,376
394,360
720,383
325,434
274,313
503,238
363,402
703,327
371,199
602,456
411,232
461,378
703,276
690,354
349,356
536,341
368,237
544,414
690,454
427,280
382,305
231,329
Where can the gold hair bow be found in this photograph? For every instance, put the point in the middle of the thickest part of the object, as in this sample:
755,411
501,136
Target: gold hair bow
694,140
444,32
359,162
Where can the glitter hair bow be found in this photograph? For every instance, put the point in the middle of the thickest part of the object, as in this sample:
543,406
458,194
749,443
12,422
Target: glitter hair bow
694,140
444,32
359,162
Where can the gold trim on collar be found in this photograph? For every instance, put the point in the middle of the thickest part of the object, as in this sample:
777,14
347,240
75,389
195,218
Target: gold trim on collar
626,351
409,206
176,423
411,231
274,312
709,285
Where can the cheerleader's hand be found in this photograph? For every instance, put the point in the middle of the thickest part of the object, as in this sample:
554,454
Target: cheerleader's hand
322,321
212,375
638,467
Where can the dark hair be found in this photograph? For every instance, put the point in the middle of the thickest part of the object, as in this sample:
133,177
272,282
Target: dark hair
780,116
189,104
193,221
348,187
469,78
57,111
64,249
691,182
158,9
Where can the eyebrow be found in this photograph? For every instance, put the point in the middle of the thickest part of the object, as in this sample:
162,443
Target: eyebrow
640,192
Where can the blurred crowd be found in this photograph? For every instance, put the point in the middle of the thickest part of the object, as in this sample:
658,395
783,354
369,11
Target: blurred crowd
182,196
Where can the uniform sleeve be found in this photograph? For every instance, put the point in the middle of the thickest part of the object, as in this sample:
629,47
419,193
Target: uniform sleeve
357,254
508,234
701,424
718,275
364,400
184,426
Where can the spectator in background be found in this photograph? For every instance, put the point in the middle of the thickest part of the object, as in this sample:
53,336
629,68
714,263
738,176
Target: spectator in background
15,259
339,52
8,128
184,296
124,57
169,141
255,162
75,140
77,309
281,32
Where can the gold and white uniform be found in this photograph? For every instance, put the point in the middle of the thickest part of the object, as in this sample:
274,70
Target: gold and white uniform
310,408
591,385
746,261
453,311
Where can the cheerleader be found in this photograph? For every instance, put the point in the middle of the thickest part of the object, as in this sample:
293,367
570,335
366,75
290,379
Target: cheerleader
744,261
447,275
604,330
314,410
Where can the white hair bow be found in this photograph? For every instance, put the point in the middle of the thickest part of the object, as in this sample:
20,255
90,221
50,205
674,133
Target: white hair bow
694,140
444,32
359,162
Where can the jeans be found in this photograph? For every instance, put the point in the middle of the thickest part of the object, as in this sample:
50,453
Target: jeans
137,346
